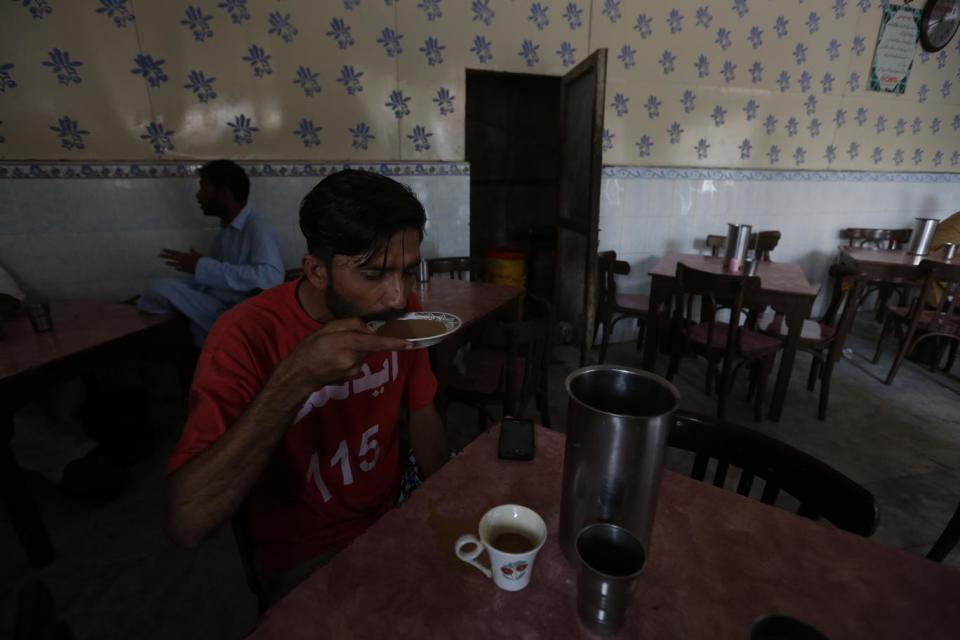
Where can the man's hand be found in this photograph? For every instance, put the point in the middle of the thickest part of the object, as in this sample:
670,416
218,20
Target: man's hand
185,262
334,353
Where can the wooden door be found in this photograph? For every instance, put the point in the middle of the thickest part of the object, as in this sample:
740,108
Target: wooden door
581,129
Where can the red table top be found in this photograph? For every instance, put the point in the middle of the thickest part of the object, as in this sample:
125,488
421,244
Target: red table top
779,277
470,301
717,562
78,325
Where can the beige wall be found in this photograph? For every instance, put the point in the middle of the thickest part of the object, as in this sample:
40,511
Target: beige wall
115,106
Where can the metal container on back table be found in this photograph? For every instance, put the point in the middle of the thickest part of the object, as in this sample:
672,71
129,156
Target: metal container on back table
738,241
618,423
923,237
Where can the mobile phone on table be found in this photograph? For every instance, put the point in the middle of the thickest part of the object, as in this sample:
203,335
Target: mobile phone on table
516,439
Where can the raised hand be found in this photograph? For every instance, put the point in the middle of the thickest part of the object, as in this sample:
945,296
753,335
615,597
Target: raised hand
335,352
185,262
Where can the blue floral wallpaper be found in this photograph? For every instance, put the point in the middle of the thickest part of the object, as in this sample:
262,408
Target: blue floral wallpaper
761,84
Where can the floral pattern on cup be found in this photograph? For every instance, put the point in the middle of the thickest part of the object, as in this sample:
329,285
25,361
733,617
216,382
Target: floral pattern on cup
514,570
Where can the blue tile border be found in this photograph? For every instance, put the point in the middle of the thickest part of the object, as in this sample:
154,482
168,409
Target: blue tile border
125,170
668,173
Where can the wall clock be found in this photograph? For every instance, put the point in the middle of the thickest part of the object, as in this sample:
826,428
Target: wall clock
939,23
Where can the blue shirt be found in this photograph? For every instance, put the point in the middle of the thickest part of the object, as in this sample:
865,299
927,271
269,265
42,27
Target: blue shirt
245,256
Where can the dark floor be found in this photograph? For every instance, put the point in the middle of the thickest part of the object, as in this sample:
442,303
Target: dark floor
118,577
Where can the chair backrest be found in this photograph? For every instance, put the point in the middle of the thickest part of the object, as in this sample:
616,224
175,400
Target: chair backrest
457,267
943,280
848,284
763,242
714,290
822,491
878,238
715,244
608,267
528,344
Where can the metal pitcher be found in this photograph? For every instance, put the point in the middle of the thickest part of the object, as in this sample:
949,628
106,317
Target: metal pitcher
618,423
923,236
738,241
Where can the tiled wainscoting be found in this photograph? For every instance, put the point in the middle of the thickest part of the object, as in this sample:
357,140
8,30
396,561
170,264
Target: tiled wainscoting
646,212
95,230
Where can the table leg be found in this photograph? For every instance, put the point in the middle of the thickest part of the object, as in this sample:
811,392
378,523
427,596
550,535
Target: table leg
21,509
658,294
795,318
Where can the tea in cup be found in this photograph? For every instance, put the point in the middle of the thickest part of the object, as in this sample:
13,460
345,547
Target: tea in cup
512,536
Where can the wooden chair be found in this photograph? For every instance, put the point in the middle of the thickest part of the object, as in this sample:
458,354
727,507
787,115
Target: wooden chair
947,540
508,366
891,239
456,268
763,242
877,238
612,307
821,490
726,341
922,323
834,328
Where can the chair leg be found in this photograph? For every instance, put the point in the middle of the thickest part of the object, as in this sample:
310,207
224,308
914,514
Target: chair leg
711,372
905,348
936,354
814,374
882,298
825,390
754,378
952,356
723,389
883,336
765,366
605,341
641,332
947,540
674,366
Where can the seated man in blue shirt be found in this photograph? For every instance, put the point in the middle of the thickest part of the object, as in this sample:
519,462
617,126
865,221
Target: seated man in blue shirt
244,257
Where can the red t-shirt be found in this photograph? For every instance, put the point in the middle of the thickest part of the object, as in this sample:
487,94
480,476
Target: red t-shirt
337,467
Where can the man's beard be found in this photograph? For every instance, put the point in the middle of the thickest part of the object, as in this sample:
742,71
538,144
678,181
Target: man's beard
341,309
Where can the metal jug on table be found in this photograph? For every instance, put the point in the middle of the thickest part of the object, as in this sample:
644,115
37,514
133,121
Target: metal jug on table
738,241
618,424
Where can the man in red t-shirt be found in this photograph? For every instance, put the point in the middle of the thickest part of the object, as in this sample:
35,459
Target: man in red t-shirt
295,403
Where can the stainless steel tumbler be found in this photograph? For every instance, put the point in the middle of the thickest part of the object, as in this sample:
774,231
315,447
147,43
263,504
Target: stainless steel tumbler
923,236
738,241
618,423
610,559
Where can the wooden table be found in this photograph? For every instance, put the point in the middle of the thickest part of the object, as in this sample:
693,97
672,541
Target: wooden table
884,264
473,303
783,286
83,332
717,562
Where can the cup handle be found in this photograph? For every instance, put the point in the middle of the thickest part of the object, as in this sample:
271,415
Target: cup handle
470,557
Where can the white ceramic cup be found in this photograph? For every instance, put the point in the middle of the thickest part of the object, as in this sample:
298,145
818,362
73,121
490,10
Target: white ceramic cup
510,571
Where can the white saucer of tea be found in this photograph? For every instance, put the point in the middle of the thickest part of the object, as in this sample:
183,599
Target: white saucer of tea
421,328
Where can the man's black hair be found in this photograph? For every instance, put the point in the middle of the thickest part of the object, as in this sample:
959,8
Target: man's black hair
355,213
229,175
